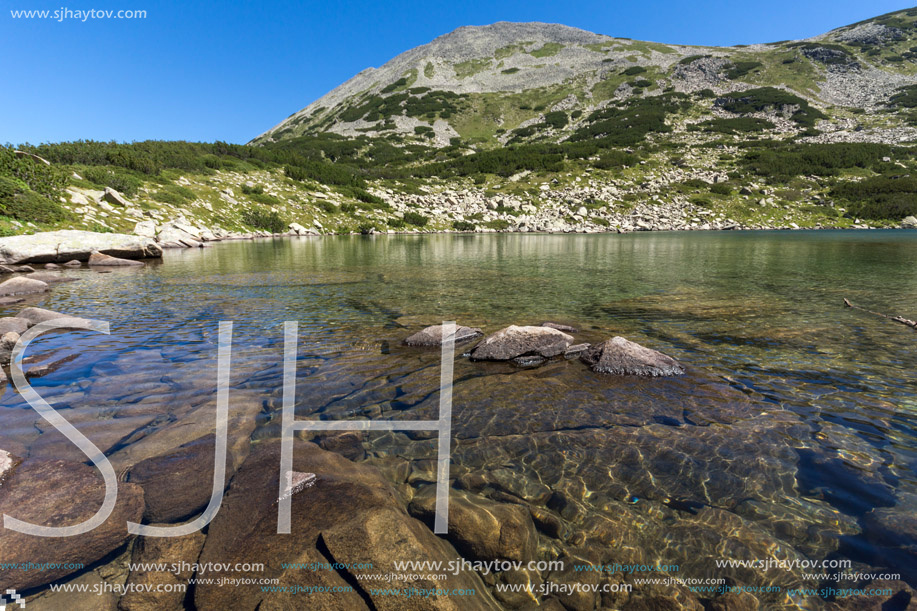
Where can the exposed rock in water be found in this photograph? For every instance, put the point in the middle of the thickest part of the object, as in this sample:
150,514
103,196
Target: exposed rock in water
181,552
514,341
68,244
73,263
433,335
559,327
576,350
99,259
22,286
8,462
374,528
60,493
37,315
622,357
50,277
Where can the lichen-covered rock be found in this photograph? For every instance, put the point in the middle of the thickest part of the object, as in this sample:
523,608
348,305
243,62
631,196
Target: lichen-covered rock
513,342
622,357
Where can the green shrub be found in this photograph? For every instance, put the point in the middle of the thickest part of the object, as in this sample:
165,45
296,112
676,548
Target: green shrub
763,98
498,224
815,159
44,180
348,208
175,195
741,68
735,125
556,119
265,199
720,189
463,226
267,220
19,202
879,197
120,180
633,70
395,223
255,189
416,219
328,207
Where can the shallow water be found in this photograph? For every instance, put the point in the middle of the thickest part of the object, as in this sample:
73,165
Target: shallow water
795,424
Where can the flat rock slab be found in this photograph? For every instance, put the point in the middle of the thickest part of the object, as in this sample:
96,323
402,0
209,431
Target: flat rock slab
559,327
69,244
622,357
99,259
22,286
433,335
60,493
50,277
513,342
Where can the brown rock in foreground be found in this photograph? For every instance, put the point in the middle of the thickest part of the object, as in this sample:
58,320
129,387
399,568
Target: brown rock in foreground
513,342
350,515
433,335
622,357
60,493
182,552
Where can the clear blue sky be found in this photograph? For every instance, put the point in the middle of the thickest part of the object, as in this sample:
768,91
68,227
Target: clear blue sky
230,70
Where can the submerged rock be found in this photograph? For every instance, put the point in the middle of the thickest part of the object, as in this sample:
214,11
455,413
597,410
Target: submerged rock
180,552
67,245
433,335
50,277
513,342
99,259
60,493
622,357
22,286
371,526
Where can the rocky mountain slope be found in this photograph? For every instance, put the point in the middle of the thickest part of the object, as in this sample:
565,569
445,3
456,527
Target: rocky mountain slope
481,83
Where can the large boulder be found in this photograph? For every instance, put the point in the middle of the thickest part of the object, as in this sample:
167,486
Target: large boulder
179,232
16,325
622,357
60,493
146,229
909,222
98,259
513,342
373,528
68,244
433,335
113,197
22,286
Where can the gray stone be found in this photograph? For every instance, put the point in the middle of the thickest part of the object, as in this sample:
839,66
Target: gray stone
514,341
98,259
73,263
14,324
622,357
559,327
909,222
433,335
37,315
113,197
22,286
66,245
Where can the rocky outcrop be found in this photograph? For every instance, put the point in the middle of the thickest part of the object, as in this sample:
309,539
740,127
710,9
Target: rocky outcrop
67,245
22,286
113,197
622,357
909,222
433,335
60,493
98,259
514,342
